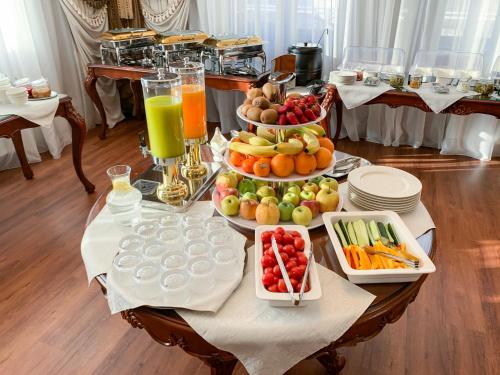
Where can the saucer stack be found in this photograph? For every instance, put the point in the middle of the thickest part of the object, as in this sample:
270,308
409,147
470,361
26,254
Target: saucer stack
17,95
344,77
380,188
4,86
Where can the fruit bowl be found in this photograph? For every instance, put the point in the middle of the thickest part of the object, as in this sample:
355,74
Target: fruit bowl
273,178
277,126
252,224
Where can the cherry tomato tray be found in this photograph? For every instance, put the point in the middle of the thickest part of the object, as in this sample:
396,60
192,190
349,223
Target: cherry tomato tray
321,116
283,299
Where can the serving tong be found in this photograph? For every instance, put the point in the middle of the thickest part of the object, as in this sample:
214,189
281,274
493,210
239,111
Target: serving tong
413,263
284,273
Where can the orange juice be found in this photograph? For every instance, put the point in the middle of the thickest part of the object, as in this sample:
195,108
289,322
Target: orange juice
194,111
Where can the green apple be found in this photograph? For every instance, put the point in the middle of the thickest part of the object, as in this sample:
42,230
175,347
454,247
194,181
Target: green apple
225,180
286,209
246,186
269,199
302,215
328,200
295,189
265,191
250,196
329,183
259,183
230,205
316,179
292,198
310,186
300,183
307,195
238,176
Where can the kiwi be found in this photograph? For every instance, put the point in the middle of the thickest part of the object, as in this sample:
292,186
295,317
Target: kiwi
254,93
253,113
261,102
275,106
269,91
245,108
269,116
247,101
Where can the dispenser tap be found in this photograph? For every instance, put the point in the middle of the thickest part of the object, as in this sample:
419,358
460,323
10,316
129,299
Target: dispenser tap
143,146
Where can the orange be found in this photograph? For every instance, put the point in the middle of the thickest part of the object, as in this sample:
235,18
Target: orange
282,165
235,140
305,164
262,167
323,158
326,143
237,158
247,165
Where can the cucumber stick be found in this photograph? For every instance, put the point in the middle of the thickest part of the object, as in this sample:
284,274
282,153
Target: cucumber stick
389,233
374,230
393,234
370,235
340,235
384,237
352,235
361,233
344,231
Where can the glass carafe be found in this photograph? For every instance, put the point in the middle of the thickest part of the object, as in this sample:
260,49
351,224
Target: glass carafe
124,201
194,114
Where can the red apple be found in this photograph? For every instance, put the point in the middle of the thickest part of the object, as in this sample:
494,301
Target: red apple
248,208
229,191
312,205
225,180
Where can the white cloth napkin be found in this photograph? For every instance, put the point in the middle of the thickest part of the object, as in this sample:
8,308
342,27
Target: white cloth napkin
418,221
269,340
100,240
438,102
40,112
355,95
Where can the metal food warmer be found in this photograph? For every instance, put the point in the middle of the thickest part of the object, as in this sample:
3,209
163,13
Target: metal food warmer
173,46
235,55
128,47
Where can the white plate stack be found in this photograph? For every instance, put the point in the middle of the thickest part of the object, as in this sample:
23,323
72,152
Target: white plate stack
378,188
344,77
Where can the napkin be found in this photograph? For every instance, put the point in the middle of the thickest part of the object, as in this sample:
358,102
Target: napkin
269,340
438,102
355,95
40,112
100,240
418,221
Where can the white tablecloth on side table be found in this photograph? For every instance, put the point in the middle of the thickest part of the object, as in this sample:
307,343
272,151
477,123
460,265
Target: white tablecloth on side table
358,94
438,102
40,112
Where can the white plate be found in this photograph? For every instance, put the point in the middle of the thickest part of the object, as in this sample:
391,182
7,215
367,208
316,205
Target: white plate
53,94
322,115
272,178
283,299
382,199
252,224
369,207
379,276
385,182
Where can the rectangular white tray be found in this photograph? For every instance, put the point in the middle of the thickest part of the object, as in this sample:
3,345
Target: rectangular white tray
379,276
283,299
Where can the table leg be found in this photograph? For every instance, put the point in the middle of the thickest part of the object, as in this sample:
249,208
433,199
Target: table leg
136,87
78,133
219,367
332,361
338,125
21,154
90,87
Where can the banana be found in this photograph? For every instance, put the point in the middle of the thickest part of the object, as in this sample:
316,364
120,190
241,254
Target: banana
289,148
259,141
316,129
264,151
292,131
245,136
312,143
264,133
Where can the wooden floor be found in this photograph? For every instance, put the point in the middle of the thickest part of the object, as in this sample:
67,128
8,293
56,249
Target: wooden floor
53,323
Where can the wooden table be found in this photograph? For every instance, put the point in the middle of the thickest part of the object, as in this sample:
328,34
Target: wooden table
169,329
398,98
135,73
11,127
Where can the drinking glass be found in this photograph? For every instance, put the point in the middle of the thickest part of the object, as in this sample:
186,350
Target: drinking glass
215,223
220,237
202,274
146,229
225,262
154,250
195,232
124,264
124,201
132,242
146,277
174,260
175,286
197,248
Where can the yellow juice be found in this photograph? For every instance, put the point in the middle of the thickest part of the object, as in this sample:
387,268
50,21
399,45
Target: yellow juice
164,118
194,111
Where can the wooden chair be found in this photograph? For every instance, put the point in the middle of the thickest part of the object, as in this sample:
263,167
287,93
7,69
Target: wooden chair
284,63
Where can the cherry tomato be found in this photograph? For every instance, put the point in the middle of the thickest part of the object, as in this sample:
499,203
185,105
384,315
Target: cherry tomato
267,279
276,279
278,237
293,258
265,237
289,265
273,288
290,250
295,273
299,243
279,230
270,252
268,270
302,269
284,256
267,245
295,284
301,259
282,286
267,261
306,288
294,233
280,248
287,239
276,270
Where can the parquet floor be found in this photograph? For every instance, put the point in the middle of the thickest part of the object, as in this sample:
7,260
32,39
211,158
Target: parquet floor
53,323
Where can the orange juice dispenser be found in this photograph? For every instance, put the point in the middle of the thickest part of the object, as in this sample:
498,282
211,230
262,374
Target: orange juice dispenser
163,107
194,114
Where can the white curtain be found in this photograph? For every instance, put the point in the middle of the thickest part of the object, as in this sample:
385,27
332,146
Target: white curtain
458,25
161,15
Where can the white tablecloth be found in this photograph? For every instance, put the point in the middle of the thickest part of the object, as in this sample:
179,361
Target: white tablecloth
40,112
357,94
438,102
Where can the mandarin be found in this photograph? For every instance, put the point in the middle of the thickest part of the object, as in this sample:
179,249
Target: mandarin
326,143
237,158
305,164
247,165
282,165
323,158
262,167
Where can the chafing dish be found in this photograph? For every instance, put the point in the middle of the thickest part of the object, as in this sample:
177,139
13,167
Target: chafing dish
234,55
175,46
128,47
